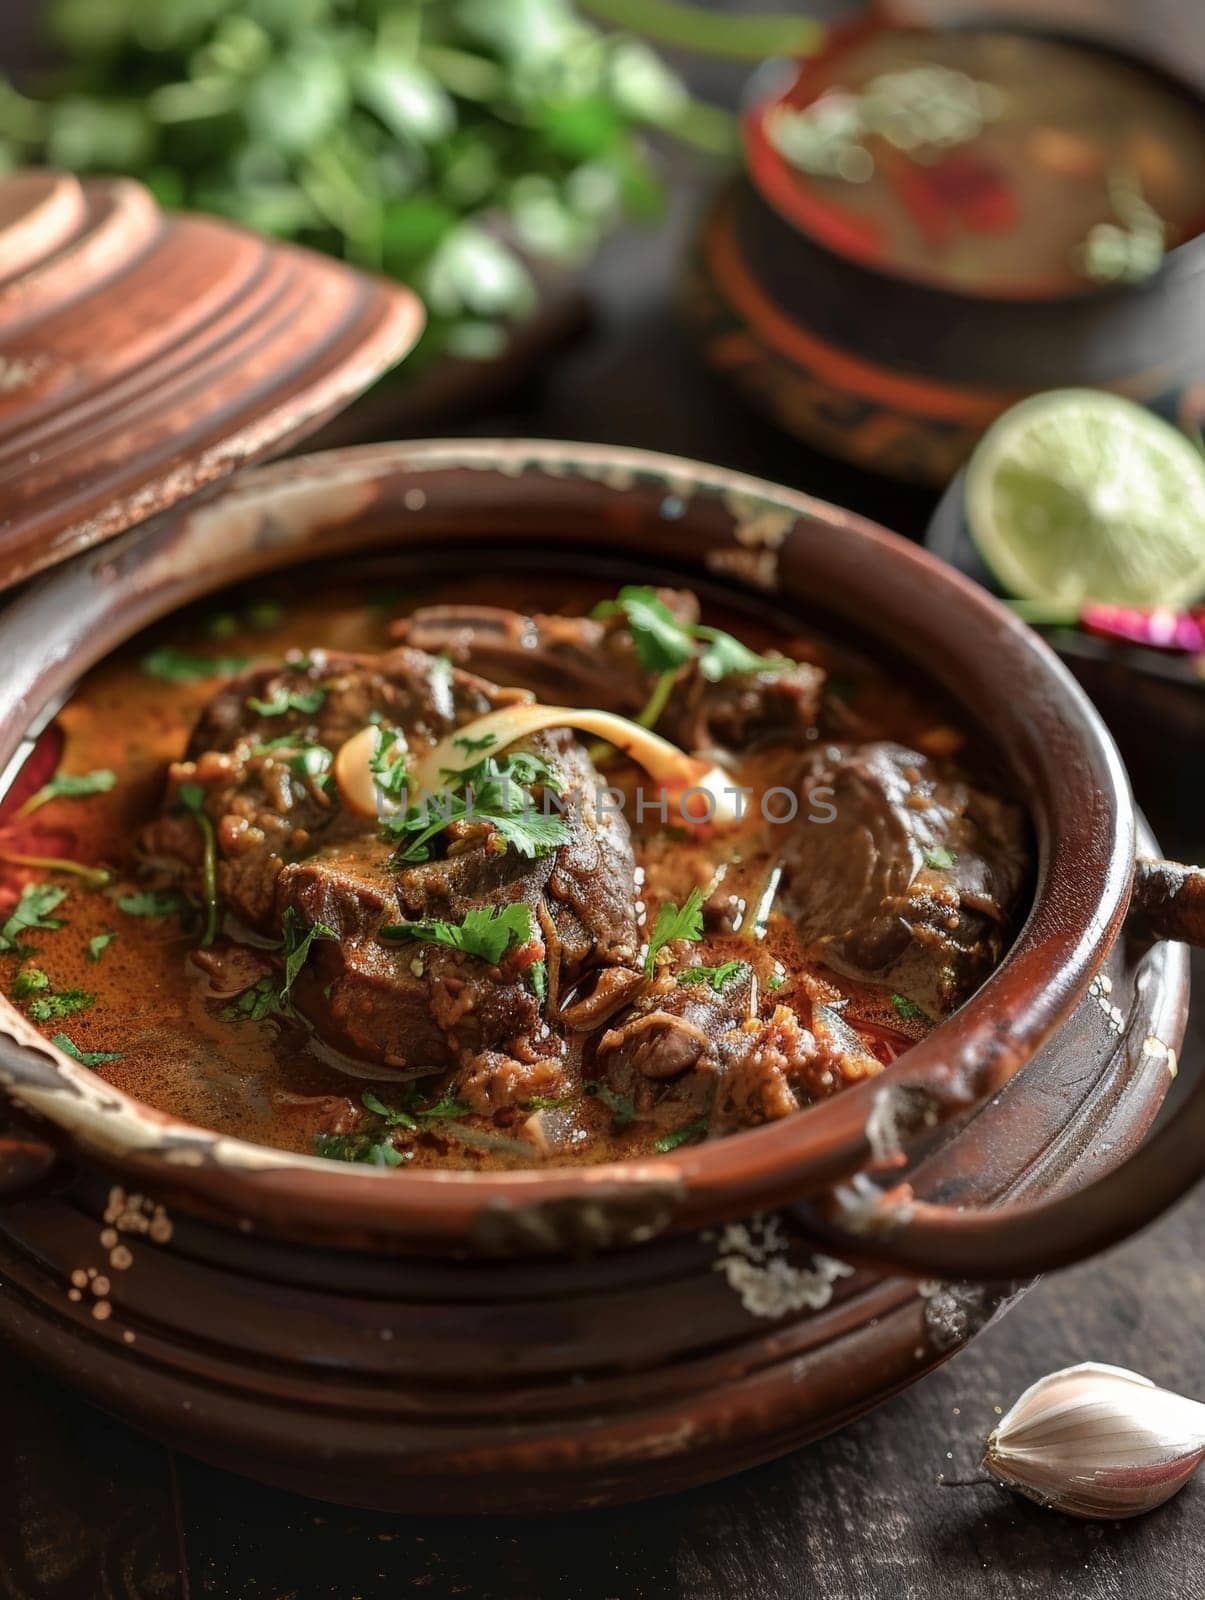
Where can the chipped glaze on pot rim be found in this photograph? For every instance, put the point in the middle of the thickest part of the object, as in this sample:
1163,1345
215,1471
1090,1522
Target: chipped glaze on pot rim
540,493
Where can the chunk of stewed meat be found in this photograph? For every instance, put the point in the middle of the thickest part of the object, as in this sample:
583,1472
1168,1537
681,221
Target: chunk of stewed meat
912,877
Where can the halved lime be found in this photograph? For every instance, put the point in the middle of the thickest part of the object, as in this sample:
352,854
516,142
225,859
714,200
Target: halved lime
1079,495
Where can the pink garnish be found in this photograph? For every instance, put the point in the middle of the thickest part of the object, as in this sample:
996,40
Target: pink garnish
1161,629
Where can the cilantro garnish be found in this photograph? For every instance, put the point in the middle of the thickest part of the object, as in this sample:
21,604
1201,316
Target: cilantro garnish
152,903
30,980
88,1058
51,1007
176,666
70,785
299,936
32,911
908,1008
940,859
446,1106
284,699
622,1110
663,643
359,1147
485,931
393,1117
261,1000
98,944
674,923
543,1102
388,762
715,976
472,747
192,798
671,1141
493,791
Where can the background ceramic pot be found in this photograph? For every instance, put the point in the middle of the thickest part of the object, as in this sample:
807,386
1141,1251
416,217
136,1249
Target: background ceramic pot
897,375
370,1336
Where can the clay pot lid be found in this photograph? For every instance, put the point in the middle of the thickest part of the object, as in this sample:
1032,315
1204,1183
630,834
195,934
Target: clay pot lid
144,355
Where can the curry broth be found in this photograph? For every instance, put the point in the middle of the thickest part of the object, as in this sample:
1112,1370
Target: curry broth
273,1081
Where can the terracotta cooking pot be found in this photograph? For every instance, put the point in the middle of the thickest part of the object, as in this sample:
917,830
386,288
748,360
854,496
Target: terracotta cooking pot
522,1341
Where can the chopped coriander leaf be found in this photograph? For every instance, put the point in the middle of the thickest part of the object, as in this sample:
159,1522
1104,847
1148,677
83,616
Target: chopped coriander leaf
152,903
192,798
493,791
176,666
358,1147
50,1007
32,911
908,1009
542,1102
674,923
715,976
776,980
662,642
98,944
538,974
671,1141
485,931
70,786
89,1058
299,936
393,1117
623,1111
307,701
261,1000
725,655
389,763
472,747
30,980
446,1106
940,859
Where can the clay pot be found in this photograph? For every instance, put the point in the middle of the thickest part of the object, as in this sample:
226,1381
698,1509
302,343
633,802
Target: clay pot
896,374
523,1341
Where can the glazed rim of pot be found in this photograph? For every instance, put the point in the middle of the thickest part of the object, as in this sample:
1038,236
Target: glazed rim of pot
639,505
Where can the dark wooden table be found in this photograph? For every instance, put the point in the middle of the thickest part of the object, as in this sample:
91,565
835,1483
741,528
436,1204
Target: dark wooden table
895,1506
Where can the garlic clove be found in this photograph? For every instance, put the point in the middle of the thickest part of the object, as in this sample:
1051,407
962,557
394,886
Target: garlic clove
1098,1441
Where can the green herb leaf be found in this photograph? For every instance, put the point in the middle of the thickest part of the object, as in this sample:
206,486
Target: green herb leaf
493,791
393,1117
473,747
485,931
261,1000
671,1141
98,944
715,976
448,1106
389,762
152,903
192,798
89,1058
359,1147
674,923
940,859
50,1007
542,1102
299,936
70,785
30,980
908,1009
32,911
623,1111
726,655
307,701
661,641
176,666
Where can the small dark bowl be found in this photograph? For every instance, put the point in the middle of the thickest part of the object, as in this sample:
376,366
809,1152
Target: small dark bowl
899,375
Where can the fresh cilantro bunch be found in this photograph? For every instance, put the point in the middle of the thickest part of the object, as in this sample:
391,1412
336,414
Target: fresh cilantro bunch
495,790
383,131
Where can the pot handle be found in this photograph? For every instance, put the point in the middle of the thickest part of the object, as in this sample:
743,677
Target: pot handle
893,1229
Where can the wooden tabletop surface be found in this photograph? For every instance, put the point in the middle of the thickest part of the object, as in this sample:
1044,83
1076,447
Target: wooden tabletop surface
895,1506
